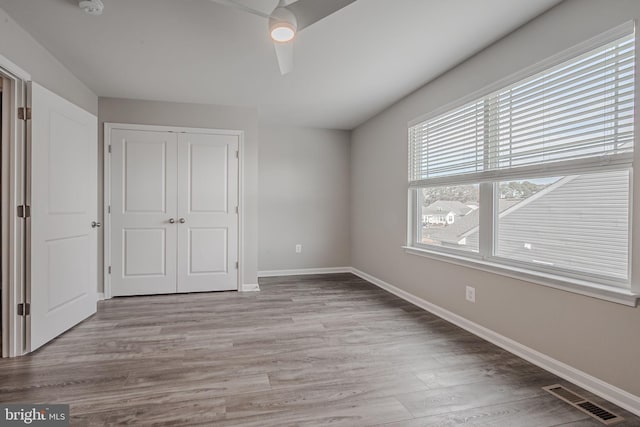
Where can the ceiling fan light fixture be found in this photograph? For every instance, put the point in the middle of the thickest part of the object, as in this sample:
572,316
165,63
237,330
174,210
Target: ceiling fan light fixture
91,7
283,25
282,34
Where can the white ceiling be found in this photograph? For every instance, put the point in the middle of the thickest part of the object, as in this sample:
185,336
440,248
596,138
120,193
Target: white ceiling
348,67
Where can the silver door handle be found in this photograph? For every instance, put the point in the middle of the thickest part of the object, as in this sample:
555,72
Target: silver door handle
172,221
95,224
182,220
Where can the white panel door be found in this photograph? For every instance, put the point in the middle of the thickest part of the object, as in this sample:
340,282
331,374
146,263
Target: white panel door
143,212
207,217
63,198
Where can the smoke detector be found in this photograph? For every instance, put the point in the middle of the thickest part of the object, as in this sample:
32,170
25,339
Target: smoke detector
92,7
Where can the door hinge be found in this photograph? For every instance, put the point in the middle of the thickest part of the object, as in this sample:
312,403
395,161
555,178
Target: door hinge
109,209
24,113
109,148
237,264
109,269
24,211
24,309
237,154
237,209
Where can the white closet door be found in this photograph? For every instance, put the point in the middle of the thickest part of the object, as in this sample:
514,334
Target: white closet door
208,222
63,243
143,212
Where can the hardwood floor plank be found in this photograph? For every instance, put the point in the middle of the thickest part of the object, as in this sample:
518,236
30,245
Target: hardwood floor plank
306,396
305,351
353,414
542,411
467,396
479,372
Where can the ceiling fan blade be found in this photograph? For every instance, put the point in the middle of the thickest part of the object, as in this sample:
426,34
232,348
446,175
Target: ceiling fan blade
284,52
308,12
241,7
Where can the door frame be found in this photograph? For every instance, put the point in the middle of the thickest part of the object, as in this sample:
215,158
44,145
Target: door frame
14,169
108,127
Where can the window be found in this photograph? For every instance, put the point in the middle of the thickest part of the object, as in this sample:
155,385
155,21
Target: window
535,175
446,214
574,223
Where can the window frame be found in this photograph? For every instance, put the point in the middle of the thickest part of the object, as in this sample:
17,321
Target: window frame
599,286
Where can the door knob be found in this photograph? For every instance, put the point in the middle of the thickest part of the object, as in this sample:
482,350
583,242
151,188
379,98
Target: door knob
95,224
172,221
182,220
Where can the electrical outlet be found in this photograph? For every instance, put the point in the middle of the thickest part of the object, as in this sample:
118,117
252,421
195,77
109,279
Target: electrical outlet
471,294
298,248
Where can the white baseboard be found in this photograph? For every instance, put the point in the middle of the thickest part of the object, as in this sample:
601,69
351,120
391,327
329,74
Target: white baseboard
304,271
100,296
249,287
605,390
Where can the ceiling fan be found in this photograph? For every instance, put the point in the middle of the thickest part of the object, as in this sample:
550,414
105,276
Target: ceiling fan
287,19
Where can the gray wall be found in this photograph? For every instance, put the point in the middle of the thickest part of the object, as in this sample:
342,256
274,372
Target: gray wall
598,337
24,51
303,198
114,110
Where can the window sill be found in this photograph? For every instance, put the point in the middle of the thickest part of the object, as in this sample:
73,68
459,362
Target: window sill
594,290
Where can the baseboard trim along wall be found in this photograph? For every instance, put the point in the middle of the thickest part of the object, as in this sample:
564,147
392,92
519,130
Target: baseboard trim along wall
100,296
304,271
607,391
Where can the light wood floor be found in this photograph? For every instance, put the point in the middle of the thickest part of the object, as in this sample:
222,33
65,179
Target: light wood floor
305,351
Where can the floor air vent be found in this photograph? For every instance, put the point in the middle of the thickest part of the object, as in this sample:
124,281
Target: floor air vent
586,406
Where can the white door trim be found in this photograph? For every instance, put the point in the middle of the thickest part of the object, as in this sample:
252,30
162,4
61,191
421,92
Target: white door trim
12,70
13,195
108,127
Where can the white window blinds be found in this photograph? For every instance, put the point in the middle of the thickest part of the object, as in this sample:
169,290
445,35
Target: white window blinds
572,117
